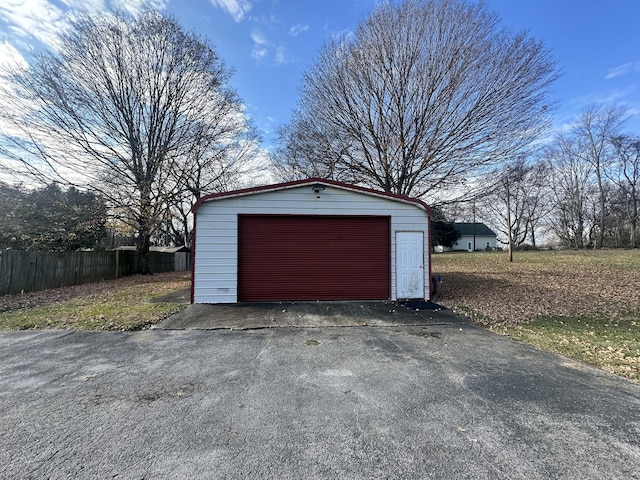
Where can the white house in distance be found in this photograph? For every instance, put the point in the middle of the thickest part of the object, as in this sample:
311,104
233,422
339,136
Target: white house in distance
308,240
474,236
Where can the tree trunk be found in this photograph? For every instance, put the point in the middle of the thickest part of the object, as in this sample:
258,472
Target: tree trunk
144,228
144,244
579,234
144,232
600,240
533,238
510,235
634,220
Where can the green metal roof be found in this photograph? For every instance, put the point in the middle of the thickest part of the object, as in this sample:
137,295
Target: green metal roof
471,229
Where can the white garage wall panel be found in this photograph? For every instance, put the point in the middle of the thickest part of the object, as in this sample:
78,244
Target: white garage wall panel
216,245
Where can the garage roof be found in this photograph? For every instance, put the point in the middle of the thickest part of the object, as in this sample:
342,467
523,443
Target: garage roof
310,182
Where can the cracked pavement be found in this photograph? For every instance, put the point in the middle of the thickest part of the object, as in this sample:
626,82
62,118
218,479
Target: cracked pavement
445,401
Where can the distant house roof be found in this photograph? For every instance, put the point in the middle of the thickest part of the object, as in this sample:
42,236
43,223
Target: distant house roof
471,229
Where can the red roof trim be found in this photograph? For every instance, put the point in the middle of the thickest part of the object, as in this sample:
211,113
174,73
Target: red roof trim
310,181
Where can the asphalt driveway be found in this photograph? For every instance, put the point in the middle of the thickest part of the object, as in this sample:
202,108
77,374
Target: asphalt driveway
444,400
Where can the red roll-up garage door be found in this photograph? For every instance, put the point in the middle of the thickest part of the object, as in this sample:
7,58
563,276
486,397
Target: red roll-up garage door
313,257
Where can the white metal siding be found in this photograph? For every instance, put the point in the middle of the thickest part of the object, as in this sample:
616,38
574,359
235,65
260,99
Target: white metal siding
216,247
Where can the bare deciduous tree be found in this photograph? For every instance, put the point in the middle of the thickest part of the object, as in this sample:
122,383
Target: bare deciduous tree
592,134
128,107
625,173
421,96
537,198
506,204
572,189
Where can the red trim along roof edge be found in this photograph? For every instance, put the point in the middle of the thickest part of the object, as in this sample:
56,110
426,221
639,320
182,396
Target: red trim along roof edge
310,181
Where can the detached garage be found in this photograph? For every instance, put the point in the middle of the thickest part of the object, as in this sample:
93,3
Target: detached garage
310,240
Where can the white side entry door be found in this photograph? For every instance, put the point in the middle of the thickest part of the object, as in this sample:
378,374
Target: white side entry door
409,265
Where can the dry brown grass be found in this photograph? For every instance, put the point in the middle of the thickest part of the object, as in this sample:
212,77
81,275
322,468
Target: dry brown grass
491,289
129,303
585,305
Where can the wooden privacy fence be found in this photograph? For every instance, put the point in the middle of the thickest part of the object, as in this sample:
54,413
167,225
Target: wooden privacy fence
28,271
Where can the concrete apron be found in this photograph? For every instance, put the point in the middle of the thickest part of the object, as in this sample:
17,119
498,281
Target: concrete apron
248,316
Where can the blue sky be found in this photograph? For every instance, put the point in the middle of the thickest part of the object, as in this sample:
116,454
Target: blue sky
269,43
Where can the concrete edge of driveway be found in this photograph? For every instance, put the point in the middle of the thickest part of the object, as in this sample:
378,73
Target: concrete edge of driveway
251,316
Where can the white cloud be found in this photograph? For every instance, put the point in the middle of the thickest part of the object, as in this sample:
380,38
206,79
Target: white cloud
346,33
10,56
263,49
264,19
236,8
622,70
259,53
259,38
620,95
618,71
282,55
298,29
260,45
88,5
44,21
134,6
39,19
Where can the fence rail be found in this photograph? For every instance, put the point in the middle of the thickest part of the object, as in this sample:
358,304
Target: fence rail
29,271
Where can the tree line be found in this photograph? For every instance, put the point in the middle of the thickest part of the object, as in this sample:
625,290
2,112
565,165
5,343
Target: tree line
581,190
51,218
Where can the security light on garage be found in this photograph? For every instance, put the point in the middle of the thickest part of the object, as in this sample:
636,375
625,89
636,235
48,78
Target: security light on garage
317,189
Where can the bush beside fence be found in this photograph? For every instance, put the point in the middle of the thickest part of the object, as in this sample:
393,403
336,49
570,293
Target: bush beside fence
28,271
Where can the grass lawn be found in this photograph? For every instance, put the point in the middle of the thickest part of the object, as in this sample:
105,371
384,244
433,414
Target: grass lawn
582,304
129,303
